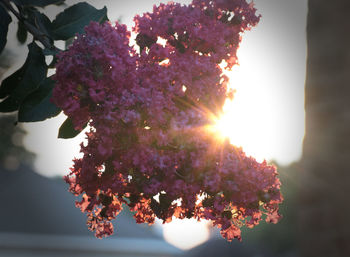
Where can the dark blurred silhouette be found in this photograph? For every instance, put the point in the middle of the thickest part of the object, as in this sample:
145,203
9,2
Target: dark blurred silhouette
324,227
12,151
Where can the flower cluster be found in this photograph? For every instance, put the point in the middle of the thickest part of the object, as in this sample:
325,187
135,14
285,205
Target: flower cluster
148,145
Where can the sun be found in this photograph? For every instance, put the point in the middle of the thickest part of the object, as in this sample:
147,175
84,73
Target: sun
261,118
246,120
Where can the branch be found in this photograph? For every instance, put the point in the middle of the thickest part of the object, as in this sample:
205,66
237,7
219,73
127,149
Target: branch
37,34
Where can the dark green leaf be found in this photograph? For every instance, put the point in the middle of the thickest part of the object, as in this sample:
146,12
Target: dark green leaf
21,33
37,106
24,81
10,104
5,20
50,51
73,20
39,3
10,83
41,21
67,130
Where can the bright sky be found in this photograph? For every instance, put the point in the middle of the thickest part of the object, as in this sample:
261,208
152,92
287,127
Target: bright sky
266,117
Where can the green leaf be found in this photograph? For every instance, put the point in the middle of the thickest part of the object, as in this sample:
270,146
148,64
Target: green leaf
5,20
9,105
24,81
37,106
10,83
51,51
40,20
67,130
73,20
21,33
39,3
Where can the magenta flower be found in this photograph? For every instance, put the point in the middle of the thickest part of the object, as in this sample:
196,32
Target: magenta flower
148,146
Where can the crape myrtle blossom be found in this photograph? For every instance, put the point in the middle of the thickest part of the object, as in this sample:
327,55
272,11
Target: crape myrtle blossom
148,145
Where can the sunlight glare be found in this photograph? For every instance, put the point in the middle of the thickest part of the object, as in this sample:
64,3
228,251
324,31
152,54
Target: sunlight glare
187,233
263,119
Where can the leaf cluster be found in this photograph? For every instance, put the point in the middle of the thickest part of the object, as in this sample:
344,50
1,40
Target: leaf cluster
29,89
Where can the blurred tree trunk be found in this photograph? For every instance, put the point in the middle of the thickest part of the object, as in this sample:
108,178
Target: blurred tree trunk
324,214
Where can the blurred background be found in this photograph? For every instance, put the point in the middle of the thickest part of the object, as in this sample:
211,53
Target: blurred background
291,108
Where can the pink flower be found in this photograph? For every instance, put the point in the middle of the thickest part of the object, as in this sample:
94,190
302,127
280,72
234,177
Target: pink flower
147,114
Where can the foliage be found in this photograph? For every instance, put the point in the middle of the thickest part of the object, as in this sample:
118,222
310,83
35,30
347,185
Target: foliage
5,20
29,89
149,144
